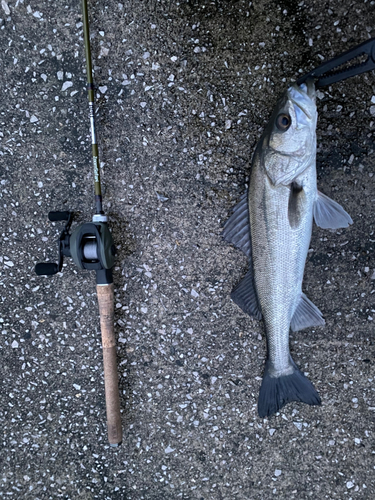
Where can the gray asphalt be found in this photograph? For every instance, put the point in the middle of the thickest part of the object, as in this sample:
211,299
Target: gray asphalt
184,92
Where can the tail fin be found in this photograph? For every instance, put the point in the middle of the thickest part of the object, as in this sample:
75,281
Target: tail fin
275,392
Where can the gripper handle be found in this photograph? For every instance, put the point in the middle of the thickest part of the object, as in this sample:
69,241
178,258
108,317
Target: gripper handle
112,398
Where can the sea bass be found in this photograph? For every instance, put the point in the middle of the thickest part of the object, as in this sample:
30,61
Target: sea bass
272,225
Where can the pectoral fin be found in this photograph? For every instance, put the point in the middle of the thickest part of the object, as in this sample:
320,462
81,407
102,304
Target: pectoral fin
330,215
237,227
296,200
306,315
245,296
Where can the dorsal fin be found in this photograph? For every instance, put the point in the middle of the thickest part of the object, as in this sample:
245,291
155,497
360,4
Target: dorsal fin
237,228
245,296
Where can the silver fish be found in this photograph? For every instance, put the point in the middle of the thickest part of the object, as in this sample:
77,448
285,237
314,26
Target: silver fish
273,226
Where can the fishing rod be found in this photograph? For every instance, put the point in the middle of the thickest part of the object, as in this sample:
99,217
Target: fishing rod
91,247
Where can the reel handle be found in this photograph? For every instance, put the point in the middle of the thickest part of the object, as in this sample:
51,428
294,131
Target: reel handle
46,268
105,295
56,216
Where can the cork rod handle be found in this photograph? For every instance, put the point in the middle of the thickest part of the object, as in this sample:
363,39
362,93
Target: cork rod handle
112,399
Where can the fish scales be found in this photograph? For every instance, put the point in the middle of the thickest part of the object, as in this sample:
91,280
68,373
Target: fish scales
279,254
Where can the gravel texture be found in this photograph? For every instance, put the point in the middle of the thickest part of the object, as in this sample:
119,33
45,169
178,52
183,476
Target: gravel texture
184,91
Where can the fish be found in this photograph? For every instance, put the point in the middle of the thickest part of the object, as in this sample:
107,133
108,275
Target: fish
272,224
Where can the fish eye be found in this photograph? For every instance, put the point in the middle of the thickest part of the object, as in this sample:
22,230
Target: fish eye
283,122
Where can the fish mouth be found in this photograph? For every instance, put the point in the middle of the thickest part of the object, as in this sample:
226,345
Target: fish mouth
309,88
302,108
303,99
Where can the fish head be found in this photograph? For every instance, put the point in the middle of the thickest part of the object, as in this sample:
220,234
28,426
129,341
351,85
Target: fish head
289,141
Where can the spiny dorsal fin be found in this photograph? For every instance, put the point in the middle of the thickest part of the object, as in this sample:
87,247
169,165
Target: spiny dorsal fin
237,228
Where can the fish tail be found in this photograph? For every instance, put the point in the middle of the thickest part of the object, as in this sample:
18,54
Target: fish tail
275,392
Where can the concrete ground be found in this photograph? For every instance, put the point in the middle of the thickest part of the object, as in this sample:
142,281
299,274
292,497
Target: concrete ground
184,92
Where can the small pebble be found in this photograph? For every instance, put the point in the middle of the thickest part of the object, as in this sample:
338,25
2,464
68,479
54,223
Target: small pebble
5,7
66,85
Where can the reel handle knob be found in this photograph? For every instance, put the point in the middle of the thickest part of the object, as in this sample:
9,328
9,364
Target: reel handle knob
46,268
56,216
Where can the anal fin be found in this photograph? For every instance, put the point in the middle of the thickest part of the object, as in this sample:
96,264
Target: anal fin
306,315
330,215
245,296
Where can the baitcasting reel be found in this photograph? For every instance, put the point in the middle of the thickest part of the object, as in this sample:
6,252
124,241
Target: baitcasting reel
90,245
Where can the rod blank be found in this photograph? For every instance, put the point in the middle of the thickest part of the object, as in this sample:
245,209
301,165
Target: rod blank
91,97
